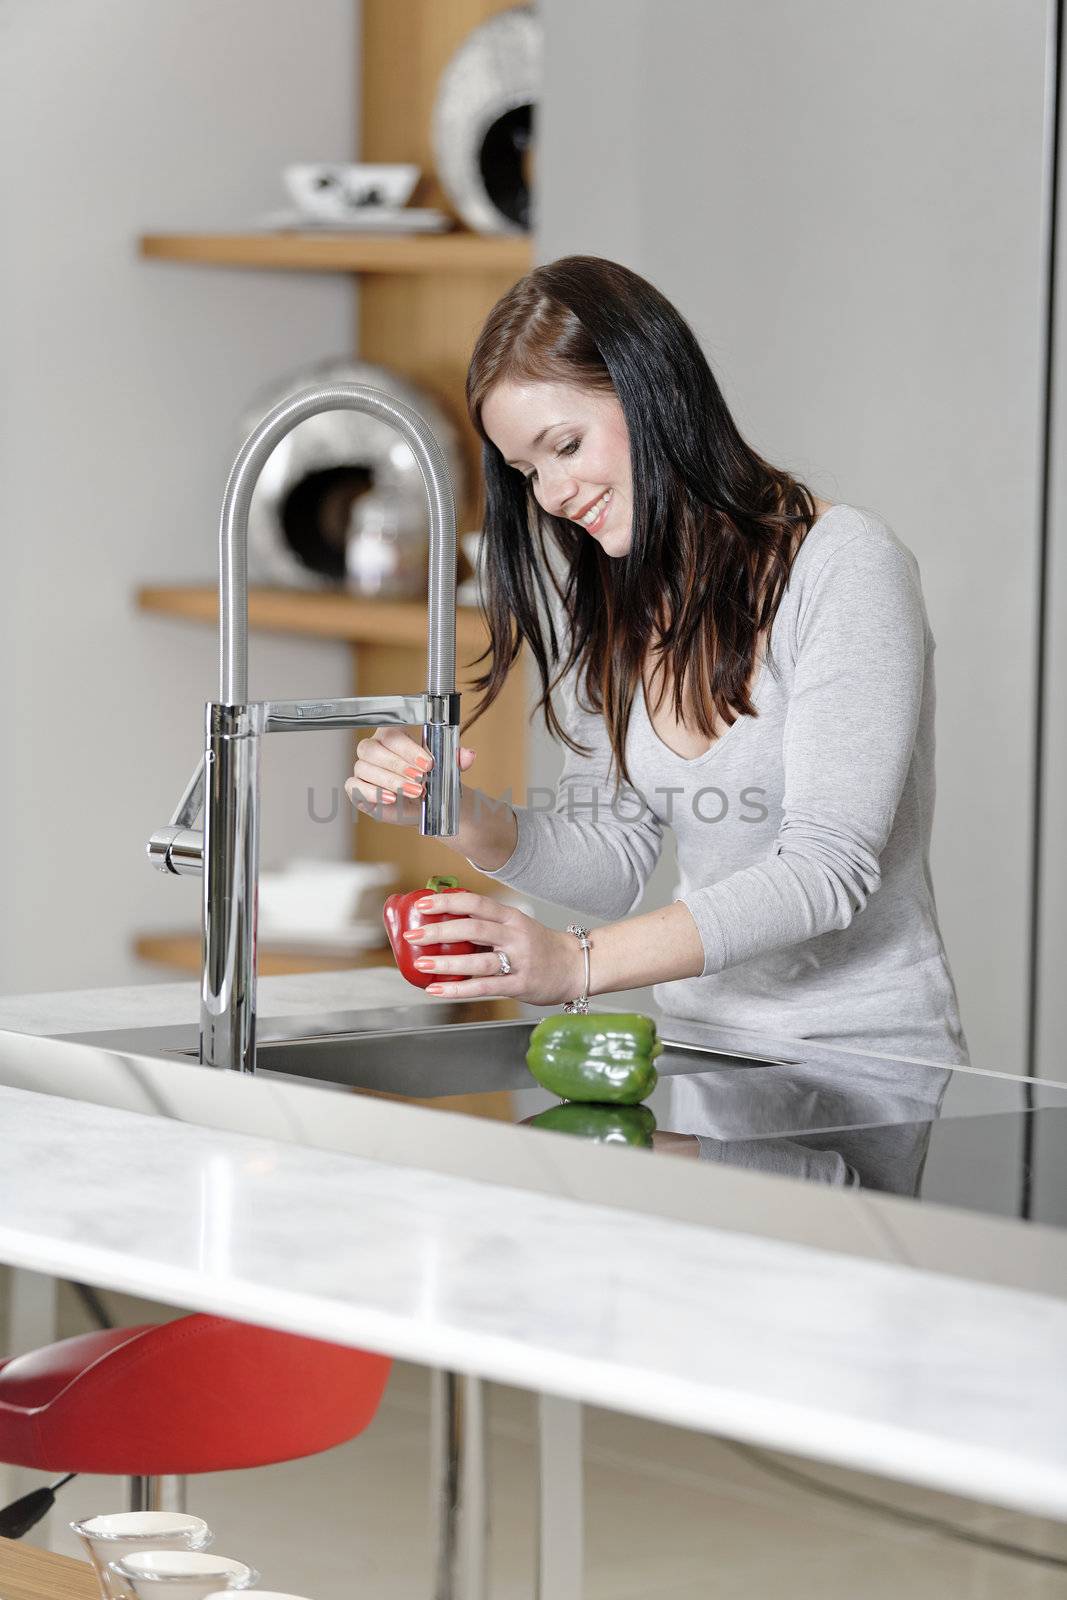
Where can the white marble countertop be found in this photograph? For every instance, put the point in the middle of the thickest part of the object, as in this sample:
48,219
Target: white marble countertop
135,1005
826,1323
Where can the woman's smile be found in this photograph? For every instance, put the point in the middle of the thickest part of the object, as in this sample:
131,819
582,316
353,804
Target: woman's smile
594,516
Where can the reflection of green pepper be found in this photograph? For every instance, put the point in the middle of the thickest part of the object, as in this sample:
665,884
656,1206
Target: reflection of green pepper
606,1124
605,1057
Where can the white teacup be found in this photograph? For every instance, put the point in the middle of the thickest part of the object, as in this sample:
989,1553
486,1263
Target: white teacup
114,1537
181,1574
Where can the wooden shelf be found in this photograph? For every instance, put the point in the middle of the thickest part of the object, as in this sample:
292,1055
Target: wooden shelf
324,614
315,251
181,952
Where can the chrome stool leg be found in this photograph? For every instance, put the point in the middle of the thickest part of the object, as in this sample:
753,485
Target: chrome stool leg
157,1494
560,1499
460,1491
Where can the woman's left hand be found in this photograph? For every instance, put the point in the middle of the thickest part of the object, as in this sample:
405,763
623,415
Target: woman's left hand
547,967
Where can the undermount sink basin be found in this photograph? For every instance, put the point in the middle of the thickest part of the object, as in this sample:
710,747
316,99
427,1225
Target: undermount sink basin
458,1058
421,1053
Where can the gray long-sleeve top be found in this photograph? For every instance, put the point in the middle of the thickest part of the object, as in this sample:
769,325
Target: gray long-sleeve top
803,833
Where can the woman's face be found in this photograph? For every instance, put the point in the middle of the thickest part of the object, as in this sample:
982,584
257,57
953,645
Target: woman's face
573,448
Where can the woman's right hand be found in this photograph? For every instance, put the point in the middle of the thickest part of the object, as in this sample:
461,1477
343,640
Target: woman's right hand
387,779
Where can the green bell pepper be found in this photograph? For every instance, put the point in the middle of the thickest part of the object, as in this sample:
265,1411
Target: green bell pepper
633,1125
603,1057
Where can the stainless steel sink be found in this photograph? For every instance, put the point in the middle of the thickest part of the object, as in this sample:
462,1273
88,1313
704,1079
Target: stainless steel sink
423,1063
421,1053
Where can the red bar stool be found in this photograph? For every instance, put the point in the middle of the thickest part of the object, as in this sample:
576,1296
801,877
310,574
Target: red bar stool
155,1404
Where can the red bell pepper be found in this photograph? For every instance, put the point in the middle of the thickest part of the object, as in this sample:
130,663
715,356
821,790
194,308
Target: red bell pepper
400,917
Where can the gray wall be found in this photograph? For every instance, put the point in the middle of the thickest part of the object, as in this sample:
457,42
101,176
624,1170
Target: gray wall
844,198
1052,900
122,383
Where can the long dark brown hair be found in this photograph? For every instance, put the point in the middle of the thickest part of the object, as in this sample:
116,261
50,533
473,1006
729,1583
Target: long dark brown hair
715,527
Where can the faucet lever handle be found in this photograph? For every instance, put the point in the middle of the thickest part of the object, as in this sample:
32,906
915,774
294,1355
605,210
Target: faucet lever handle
191,803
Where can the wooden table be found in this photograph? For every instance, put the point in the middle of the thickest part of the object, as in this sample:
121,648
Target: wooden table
27,1573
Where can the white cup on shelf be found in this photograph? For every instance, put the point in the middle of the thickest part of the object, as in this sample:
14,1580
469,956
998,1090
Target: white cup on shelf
333,190
115,1536
181,1574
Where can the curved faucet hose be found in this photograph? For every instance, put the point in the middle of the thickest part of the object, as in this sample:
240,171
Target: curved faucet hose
233,531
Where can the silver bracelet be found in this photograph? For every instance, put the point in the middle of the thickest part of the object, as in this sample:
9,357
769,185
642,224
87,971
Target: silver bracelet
581,1005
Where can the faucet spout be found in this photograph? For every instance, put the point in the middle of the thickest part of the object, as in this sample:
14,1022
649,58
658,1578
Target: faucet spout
233,532
228,781
440,806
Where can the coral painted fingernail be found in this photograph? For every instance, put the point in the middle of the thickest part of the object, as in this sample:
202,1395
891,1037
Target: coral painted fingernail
415,936
413,772
412,789
424,964
424,905
435,988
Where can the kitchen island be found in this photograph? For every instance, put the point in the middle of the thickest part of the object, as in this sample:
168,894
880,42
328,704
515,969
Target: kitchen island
834,1318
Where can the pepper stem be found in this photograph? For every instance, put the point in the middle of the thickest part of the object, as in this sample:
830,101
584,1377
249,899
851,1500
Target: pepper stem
434,884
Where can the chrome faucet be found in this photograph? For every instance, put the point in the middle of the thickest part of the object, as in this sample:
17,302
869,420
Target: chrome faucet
226,783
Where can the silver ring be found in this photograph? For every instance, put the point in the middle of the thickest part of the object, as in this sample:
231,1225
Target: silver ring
505,964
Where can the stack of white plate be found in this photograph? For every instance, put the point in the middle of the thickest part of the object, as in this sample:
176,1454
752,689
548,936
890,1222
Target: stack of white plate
334,906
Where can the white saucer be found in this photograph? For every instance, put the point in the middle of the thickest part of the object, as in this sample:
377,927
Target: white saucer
374,219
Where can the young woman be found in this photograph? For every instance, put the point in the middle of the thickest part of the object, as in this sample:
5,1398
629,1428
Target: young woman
721,653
